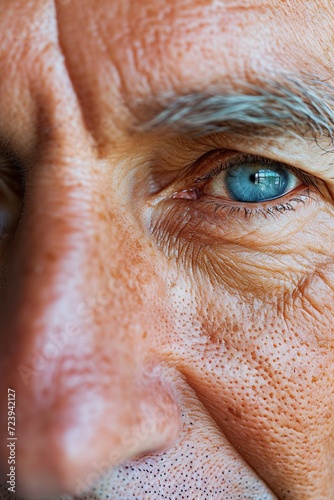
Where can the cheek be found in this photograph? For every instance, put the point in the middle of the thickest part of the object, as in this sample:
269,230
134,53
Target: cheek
259,367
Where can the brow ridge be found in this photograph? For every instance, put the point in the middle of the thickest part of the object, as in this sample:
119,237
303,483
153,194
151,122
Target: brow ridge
287,105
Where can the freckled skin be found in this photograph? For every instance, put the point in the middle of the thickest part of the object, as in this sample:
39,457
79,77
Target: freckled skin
152,354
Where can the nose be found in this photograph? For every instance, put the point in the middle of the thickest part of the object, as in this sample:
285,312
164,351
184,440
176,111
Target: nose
76,333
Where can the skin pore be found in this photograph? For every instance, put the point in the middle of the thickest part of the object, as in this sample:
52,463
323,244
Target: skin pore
162,345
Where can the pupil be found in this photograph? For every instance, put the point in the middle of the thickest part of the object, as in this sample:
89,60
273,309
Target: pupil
254,178
262,176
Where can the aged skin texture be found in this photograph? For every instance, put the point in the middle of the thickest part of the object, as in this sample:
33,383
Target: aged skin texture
164,339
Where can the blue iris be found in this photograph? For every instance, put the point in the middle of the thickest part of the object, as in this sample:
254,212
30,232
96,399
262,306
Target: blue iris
255,182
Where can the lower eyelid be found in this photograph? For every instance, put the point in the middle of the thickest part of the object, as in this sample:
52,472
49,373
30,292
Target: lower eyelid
236,238
300,193
210,218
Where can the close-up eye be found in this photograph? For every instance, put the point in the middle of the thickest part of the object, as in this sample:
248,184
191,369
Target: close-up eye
252,182
225,195
247,180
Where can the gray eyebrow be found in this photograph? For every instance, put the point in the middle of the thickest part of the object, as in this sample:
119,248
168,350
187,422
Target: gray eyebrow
287,106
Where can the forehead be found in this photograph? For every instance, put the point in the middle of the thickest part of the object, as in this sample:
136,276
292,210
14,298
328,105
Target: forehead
162,42
116,52
144,46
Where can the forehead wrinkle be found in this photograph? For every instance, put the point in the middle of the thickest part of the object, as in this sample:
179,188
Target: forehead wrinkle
278,107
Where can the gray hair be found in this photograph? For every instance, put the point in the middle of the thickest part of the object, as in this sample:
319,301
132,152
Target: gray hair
296,106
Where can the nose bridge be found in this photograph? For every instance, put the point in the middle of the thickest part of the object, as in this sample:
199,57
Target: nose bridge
71,348
54,257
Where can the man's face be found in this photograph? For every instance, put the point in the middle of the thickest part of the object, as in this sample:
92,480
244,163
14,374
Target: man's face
167,247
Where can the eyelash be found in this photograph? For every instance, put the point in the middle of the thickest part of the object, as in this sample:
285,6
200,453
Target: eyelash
272,211
309,181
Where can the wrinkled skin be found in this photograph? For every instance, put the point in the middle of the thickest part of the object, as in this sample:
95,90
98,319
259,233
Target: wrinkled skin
141,370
